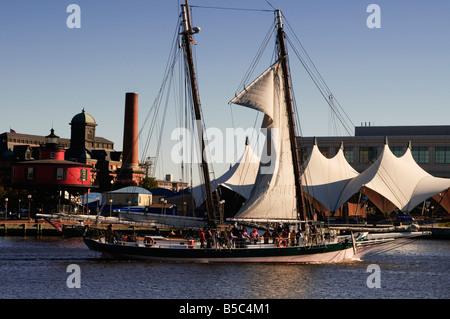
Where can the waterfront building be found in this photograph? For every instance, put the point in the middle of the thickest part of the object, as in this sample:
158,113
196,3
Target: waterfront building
130,195
51,173
170,184
82,147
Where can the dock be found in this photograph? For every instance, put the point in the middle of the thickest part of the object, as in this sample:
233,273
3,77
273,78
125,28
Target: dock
40,227
437,232
26,228
43,228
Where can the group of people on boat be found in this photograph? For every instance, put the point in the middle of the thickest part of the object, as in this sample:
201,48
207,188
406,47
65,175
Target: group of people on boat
238,237
234,237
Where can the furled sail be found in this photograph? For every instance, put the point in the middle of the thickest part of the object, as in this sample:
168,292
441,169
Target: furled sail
273,196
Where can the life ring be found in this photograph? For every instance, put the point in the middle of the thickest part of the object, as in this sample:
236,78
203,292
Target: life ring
282,243
148,241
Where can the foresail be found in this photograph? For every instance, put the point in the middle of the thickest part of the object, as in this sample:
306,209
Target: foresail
273,197
259,94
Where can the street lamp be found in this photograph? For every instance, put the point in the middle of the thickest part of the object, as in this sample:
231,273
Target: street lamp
6,208
110,206
29,207
163,205
98,202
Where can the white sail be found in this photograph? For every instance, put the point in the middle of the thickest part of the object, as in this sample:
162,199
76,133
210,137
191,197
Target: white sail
273,197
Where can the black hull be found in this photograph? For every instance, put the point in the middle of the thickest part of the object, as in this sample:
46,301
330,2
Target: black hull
73,231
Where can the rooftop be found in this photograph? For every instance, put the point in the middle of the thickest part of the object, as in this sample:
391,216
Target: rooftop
422,130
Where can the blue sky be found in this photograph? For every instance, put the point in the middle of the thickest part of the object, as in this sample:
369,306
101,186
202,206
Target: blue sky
395,75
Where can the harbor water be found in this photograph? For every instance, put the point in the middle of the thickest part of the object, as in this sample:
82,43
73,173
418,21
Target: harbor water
45,267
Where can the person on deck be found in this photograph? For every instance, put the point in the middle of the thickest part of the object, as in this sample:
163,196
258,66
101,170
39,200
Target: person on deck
234,234
293,237
110,234
275,237
254,236
266,236
201,237
209,238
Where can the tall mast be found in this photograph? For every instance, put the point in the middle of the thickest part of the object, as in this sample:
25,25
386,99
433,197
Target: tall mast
187,37
290,113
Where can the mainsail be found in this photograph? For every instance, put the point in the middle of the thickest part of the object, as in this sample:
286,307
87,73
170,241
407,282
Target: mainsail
273,197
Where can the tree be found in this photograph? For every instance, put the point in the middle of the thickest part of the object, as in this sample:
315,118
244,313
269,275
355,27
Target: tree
149,183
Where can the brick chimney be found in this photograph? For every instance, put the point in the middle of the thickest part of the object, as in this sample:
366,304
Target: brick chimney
130,133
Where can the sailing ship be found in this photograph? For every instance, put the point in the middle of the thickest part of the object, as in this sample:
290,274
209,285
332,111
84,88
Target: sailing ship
276,196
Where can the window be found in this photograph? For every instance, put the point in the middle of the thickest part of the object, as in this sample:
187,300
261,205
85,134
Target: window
61,174
325,151
83,174
367,155
420,154
397,150
348,153
303,154
52,154
442,155
30,172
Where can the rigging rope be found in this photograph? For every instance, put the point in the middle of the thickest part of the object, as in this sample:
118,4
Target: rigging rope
257,58
229,8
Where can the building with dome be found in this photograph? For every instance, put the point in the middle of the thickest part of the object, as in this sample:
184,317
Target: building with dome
83,140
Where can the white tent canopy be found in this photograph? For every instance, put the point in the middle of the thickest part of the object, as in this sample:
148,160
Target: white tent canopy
240,178
325,178
390,182
394,182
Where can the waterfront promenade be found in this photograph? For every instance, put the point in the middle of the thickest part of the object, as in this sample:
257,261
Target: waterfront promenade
40,227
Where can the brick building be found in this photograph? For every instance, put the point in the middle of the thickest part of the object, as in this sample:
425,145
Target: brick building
82,147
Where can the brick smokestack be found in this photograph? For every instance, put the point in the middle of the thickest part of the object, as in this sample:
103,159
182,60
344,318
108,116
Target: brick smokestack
130,133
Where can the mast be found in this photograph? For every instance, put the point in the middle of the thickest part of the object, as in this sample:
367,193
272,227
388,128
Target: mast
187,38
290,113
